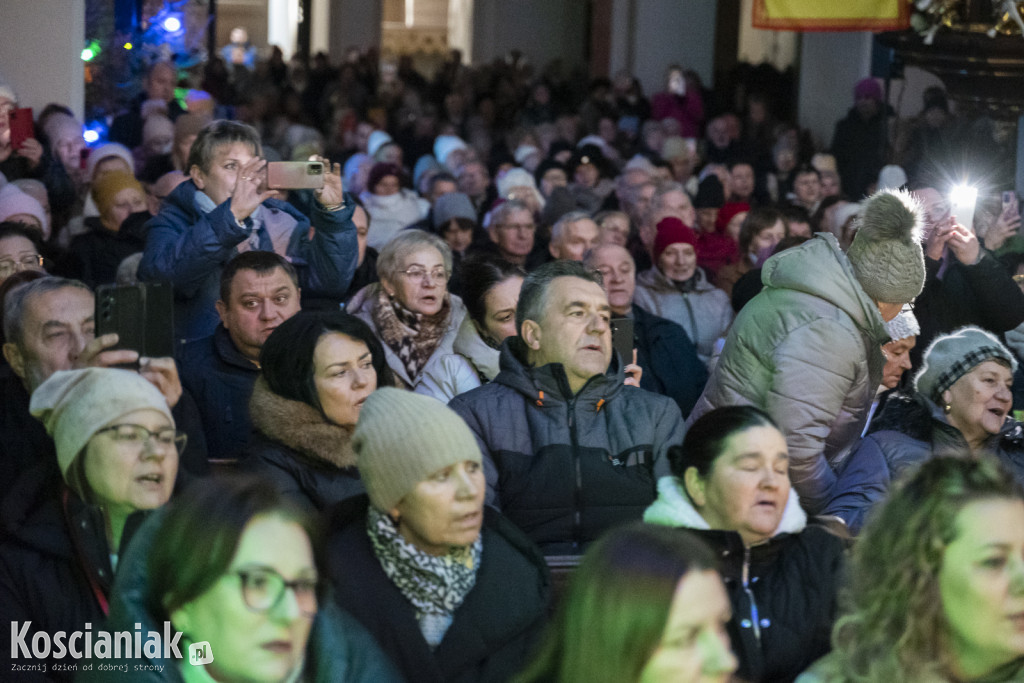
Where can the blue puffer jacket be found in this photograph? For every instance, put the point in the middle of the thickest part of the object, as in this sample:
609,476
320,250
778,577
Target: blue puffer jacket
564,467
188,248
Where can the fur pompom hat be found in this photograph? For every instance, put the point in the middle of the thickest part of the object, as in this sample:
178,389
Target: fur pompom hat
886,253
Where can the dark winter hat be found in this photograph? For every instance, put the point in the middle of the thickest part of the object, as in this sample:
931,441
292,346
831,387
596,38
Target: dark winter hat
452,205
382,170
588,154
886,253
546,166
953,355
868,87
710,194
672,231
402,438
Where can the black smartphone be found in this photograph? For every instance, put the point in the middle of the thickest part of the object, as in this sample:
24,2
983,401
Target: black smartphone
142,315
622,339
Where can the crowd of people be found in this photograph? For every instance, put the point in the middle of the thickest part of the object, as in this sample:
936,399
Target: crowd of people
548,381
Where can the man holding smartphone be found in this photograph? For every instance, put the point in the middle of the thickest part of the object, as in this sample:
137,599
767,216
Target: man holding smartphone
225,208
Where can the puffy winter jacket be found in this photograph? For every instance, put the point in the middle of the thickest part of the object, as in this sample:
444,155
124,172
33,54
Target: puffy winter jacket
471,364
566,467
362,305
188,248
705,313
807,350
493,631
783,591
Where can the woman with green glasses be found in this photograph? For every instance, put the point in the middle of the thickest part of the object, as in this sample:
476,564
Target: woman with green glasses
233,566
117,449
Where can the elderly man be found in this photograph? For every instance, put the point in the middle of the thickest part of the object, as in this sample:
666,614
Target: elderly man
569,450
225,208
807,349
49,326
512,229
572,236
965,283
157,95
668,357
259,290
669,199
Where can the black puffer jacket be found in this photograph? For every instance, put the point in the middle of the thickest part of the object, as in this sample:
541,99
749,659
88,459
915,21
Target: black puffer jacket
493,631
912,429
783,592
306,457
565,468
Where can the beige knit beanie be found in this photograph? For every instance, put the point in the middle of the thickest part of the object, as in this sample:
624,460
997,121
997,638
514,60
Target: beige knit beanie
886,253
402,438
75,404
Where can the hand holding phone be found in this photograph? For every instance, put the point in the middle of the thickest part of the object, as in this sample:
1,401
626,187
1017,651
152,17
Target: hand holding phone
22,127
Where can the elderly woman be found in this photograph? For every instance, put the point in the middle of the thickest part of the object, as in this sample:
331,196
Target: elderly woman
646,605
232,564
676,289
730,486
19,249
94,256
316,370
961,407
117,449
391,207
491,293
938,586
452,591
410,309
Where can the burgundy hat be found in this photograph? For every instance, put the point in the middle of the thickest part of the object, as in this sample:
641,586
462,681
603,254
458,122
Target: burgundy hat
672,231
382,170
868,87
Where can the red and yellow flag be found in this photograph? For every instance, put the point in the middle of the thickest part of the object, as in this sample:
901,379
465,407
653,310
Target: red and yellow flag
832,15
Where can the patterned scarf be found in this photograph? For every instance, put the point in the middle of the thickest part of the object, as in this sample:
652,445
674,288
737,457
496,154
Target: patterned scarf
412,336
435,585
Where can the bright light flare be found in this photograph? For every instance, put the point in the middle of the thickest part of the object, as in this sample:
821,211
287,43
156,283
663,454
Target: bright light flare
171,24
90,136
962,199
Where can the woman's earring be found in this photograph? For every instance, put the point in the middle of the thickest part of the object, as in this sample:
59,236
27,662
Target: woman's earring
947,409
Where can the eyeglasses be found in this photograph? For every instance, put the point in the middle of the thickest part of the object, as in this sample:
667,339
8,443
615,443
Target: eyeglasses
419,273
263,588
9,267
139,436
517,226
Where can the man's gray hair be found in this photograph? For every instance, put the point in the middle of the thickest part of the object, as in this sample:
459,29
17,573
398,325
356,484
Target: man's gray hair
406,242
663,189
558,229
533,297
17,302
217,133
501,212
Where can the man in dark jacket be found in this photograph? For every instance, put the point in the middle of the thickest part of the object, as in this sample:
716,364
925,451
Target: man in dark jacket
226,208
859,140
668,357
258,291
964,284
569,450
157,96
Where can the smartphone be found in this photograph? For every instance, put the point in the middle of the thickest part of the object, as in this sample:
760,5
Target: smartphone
295,175
22,127
622,339
142,315
1010,202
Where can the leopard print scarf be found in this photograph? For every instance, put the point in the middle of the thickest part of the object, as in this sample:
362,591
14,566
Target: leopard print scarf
412,336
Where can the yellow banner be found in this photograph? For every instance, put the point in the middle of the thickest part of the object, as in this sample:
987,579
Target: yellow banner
832,15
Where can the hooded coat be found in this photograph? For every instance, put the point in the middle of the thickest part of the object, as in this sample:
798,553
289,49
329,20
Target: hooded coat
783,591
566,467
471,363
493,631
188,248
306,457
705,313
806,350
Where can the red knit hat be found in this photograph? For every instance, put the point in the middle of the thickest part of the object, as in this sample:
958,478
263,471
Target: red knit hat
672,231
728,212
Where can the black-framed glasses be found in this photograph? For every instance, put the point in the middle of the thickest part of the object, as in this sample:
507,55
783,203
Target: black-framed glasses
137,435
9,266
440,274
263,589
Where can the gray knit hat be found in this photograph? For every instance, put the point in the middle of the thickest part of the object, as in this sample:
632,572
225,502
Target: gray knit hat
902,326
886,252
402,438
452,205
75,404
953,355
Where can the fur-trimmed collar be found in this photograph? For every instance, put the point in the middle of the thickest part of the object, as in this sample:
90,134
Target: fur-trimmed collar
674,508
300,427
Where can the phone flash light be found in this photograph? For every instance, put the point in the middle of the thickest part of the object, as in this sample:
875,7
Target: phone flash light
962,199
